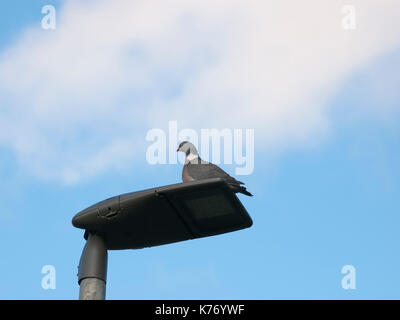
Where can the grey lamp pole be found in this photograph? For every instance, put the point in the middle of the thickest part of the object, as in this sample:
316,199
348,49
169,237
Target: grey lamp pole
92,270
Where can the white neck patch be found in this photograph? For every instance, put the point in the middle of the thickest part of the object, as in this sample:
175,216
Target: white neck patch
191,157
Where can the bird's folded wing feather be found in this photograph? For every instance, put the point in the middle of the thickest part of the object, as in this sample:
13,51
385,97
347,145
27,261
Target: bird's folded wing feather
209,170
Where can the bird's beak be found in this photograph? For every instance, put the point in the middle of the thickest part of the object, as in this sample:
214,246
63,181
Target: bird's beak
177,150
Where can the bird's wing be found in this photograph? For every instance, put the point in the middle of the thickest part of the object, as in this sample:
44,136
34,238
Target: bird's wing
209,170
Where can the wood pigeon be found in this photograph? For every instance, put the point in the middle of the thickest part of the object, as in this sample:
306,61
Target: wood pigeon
197,169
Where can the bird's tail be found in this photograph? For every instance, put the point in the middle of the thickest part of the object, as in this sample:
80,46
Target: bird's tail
244,191
240,189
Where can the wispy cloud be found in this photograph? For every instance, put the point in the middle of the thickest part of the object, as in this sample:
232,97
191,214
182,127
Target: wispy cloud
76,101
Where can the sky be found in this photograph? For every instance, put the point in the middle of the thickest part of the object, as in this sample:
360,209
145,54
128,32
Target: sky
316,82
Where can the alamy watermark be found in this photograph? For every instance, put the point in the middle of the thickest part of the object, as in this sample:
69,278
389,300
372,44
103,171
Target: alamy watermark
49,18
49,278
237,145
349,18
349,280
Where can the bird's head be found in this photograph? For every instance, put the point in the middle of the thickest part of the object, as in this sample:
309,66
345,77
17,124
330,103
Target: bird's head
187,148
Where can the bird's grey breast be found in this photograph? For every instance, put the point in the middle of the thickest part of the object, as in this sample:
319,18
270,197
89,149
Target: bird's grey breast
185,174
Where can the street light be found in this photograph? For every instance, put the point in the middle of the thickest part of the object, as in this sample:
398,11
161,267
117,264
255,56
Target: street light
153,217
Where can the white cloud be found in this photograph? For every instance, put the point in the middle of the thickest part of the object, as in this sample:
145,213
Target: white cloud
79,100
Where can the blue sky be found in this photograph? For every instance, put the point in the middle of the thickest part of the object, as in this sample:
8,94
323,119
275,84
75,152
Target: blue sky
326,181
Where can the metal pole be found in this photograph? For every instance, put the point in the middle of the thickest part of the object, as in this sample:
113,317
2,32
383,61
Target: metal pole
92,270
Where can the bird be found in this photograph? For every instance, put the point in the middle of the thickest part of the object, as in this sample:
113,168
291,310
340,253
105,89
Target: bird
197,169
